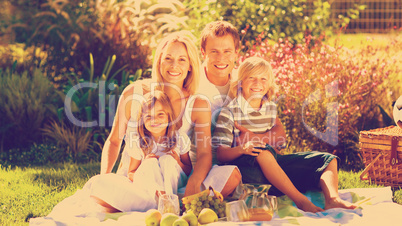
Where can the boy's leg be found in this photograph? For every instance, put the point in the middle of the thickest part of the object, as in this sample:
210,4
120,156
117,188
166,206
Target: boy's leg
329,186
274,173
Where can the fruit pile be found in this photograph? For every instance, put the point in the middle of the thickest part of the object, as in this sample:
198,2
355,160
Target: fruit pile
206,199
153,218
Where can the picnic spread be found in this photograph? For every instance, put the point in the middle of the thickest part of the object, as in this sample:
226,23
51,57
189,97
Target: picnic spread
382,154
375,207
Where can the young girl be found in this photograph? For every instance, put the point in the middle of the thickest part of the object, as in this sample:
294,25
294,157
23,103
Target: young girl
254,112
156,155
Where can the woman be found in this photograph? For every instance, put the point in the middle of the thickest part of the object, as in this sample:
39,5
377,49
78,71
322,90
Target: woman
175,71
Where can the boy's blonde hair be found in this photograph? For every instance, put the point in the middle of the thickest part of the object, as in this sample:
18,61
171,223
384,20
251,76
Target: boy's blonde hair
191,82
145,136
254,66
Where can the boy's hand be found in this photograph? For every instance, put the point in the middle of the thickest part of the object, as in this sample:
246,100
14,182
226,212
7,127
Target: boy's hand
245,135
252,148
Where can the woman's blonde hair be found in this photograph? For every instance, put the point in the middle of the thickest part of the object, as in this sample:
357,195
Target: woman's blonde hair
255,66
145,137
191,82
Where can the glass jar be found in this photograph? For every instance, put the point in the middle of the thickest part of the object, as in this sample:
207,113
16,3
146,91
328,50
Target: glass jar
256,199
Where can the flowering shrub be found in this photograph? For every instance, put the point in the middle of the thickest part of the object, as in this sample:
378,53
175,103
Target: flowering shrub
327,94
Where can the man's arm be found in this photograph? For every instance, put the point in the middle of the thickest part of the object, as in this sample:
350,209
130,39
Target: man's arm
201,116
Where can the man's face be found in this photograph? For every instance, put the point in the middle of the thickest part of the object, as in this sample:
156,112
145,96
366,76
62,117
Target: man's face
219,56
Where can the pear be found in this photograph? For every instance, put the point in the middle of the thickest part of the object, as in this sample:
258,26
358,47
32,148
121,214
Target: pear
180,222
153,217
191,218
168,219
207,216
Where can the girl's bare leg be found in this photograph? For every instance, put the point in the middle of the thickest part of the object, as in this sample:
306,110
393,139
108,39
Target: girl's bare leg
329,186
106,208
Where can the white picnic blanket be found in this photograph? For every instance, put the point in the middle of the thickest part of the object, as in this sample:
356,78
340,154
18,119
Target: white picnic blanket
375,208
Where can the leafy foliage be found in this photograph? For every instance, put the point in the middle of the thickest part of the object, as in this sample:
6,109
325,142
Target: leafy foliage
34,155
269,18
69,30
74,142
28,101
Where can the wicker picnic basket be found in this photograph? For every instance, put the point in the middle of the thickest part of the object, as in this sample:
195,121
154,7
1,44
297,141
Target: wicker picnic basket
381,150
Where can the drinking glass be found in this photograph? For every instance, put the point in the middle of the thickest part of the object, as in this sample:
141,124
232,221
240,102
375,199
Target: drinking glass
274,203
237,211
169,203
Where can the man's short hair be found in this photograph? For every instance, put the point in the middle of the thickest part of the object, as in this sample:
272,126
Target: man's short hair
219,29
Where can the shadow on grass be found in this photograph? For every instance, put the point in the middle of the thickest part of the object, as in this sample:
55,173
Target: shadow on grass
59,176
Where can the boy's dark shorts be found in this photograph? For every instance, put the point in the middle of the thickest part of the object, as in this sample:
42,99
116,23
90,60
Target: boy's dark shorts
304,169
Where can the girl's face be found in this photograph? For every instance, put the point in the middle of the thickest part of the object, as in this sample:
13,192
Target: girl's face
175,63
255,86
156,120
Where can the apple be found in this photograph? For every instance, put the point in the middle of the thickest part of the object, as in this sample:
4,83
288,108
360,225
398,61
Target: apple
207,216
152,217
191,218
168,219
398,112
180,222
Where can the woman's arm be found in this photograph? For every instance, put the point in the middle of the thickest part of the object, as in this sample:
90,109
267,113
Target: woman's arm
201,116
113,143
185,163
134,164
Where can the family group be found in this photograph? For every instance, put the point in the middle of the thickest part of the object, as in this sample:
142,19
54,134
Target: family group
195,125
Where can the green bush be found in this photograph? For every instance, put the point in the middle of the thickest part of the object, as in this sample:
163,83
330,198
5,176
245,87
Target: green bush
28,101
329,92
35,155
21,58
269,18
69,30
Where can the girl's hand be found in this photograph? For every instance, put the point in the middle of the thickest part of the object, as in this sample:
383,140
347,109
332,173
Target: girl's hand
175,156
152,156
250,148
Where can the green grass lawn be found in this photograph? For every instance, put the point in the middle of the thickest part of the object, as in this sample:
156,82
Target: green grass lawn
34,191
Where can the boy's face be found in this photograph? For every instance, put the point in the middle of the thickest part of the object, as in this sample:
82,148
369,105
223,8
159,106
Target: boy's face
219,56
255,86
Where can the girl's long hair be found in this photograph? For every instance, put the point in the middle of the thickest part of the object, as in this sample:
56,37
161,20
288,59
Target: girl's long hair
146,140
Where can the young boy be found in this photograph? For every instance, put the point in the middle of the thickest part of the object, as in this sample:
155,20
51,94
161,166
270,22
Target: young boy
255,112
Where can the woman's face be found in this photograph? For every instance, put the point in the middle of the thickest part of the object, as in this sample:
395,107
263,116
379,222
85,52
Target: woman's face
175,63
255,86
156,120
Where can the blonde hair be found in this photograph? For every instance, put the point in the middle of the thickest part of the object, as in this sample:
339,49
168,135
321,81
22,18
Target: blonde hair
255,66
145,136
191,82
220,29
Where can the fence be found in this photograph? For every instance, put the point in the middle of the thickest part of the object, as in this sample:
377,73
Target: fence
379,16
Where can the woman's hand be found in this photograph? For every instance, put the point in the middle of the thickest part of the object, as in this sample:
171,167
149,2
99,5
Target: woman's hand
251,148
